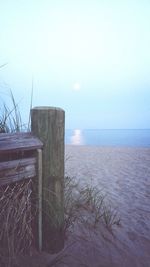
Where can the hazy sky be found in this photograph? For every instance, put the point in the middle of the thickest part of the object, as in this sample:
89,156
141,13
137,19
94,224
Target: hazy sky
89,57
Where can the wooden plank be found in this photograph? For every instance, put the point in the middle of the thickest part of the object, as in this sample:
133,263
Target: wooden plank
16,170
18,142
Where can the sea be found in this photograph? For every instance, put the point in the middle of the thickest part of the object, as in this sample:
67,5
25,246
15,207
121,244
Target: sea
111,137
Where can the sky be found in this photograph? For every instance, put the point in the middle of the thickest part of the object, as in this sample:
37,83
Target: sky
88,57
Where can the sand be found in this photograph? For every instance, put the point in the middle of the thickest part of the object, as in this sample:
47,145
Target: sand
124,175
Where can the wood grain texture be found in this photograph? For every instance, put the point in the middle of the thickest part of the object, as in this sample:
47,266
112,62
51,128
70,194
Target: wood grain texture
15,142
17,170
48,125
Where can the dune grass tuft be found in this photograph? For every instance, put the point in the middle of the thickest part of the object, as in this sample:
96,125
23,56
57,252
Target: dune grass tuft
90,202
16,221
10,118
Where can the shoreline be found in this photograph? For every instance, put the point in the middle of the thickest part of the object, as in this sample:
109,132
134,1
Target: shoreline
108,146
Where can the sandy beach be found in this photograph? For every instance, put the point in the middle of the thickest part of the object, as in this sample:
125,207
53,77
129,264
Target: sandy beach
123,174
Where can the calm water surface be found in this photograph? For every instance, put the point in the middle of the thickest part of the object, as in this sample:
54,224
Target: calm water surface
134,138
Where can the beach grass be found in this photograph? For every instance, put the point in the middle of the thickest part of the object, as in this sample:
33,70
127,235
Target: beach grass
10,117
90,200
16,221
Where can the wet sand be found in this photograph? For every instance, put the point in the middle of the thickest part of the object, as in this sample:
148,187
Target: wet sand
124,175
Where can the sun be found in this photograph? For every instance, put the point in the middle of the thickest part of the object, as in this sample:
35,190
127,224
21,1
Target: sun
76,86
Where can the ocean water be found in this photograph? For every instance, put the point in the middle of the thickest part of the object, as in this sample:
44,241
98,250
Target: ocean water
132,138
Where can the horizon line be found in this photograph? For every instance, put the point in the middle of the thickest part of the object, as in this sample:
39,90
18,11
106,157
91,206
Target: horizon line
106,129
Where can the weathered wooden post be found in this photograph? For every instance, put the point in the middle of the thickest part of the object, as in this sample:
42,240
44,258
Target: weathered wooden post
47,123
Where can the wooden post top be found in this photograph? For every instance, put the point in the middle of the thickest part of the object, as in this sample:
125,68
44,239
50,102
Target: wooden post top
13,142
47,108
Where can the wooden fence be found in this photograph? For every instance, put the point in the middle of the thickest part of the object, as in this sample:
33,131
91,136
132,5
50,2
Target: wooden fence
39,156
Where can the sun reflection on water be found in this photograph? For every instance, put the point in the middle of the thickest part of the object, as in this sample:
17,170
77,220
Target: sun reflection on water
77,137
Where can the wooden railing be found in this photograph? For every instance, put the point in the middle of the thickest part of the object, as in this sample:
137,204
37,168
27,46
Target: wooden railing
39,155
18,157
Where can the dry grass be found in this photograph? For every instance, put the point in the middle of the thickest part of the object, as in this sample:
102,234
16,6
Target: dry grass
89,209
10,118
88,205
16,221
16,212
